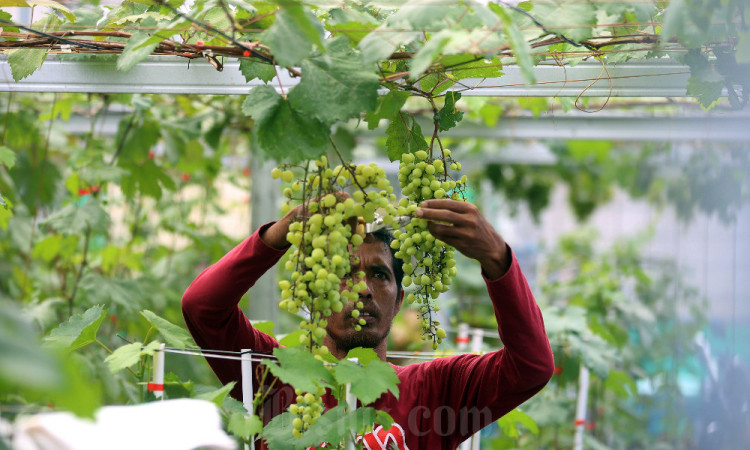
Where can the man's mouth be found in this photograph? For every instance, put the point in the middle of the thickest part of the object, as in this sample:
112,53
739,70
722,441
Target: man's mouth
367,317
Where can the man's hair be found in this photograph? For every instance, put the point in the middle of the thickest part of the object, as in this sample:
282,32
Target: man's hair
385,236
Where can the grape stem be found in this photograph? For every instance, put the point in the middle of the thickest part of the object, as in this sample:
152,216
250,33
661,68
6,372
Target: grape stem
348,168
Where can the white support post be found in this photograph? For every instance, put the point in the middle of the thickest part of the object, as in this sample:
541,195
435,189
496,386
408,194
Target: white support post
583,397
247,385
351,405
462,338
157,377
477,339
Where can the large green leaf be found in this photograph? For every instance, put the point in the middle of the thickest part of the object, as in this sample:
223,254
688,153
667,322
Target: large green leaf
244,426
130,354
252,69
336,424
175,336
53,5
139,47
298,367
449,115
7,157
329,92
284,133
147,178
404,136
216,396
428,53
74,219
470,66
388,106
381,43
509,423
80,330
368,382
567,18
519,44
293,34
25,61
277,433
24,363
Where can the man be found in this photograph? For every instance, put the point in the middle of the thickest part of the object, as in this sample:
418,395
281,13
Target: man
442,402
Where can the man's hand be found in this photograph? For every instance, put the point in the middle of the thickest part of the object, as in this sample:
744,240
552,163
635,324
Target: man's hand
466,229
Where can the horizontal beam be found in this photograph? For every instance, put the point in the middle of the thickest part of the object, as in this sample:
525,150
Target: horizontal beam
171,75
718,126
714,127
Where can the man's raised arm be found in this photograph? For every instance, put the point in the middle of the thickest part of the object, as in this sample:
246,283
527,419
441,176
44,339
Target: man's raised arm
489,386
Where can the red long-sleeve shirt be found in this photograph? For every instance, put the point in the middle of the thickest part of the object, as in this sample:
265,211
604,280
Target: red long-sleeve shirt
441,402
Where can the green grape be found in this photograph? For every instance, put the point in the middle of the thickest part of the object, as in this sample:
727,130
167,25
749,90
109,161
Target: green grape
422,178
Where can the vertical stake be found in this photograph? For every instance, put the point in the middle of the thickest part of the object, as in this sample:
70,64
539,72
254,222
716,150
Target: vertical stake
247,385
157,377
583,397
351,405
462,338
477,339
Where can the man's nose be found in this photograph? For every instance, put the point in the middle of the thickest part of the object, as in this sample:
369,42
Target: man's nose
365,293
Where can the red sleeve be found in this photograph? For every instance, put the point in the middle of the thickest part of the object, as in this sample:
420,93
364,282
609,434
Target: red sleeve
210,307
484,388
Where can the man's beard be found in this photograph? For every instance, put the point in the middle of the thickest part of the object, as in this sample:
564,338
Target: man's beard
363,338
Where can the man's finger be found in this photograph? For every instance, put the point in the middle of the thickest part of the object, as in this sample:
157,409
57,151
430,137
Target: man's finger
443,215
446,203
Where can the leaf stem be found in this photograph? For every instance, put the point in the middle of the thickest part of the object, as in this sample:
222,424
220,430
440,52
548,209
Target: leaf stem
7,114
110,352
84,262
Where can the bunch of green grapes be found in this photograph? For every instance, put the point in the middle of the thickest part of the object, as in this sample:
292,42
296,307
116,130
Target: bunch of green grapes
308,407
323,238
424,178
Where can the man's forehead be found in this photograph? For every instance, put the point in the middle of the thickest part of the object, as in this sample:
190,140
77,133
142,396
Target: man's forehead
375,251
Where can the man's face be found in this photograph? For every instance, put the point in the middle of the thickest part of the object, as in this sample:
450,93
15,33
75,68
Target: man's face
382,301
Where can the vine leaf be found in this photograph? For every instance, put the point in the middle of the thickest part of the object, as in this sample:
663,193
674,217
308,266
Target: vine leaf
146,178
79,331
424,57
243,426
139,47
175,336
518,43
216,396
470,66
368,382
449,116
298,367
7,157
333,426
276,432
509,423
388,106
566,18
25,61
382,42
252,69
74,219
404,136
53,5
130,354
284,133
293,33
329,92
